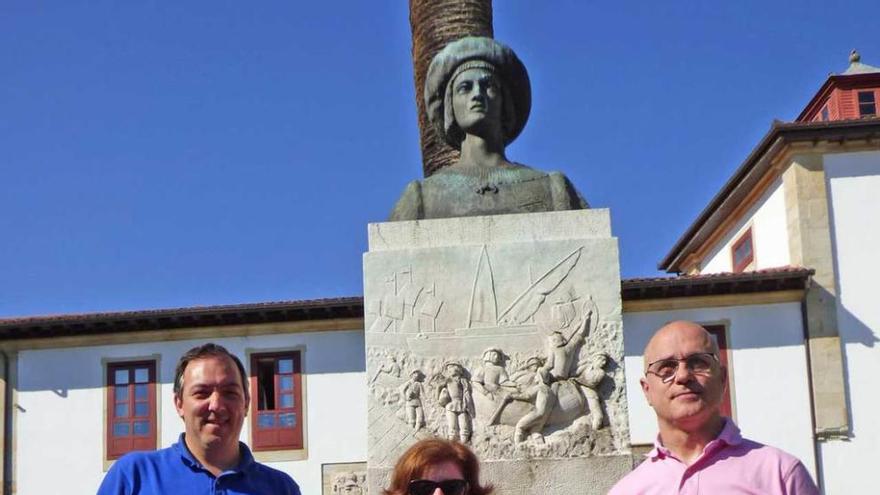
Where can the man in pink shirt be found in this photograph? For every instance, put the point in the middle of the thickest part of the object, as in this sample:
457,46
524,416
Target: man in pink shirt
698,451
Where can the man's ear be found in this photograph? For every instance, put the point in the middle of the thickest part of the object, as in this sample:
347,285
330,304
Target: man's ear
178,405
645,388
725,385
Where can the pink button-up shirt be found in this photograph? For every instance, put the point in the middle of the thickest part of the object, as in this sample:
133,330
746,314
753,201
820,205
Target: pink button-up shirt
728,464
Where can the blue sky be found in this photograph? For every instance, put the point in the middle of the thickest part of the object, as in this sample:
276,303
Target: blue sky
167,154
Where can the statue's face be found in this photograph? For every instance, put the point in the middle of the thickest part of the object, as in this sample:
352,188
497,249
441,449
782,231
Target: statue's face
476,101
493,357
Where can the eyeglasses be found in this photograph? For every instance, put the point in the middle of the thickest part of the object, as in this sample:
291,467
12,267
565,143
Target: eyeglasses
700,363
448,487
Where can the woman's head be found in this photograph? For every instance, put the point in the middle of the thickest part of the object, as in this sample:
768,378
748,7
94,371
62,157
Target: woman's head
477,54
437,460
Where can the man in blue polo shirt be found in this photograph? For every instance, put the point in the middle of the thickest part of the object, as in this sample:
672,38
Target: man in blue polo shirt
211,395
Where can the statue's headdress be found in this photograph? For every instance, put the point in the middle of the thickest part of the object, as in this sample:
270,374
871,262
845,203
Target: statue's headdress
477,52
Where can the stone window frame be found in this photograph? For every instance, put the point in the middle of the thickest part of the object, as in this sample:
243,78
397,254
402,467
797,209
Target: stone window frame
744,263
720,330
116,447
275,440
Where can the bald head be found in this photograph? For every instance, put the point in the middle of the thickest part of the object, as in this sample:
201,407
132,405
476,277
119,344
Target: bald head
673,336
689,401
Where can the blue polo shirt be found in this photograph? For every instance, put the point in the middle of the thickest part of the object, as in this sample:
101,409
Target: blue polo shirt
175,471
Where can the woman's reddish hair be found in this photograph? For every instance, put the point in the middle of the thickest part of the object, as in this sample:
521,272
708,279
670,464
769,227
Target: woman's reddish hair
414,463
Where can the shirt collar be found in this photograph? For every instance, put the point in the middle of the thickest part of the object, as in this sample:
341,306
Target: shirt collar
245,463
729,435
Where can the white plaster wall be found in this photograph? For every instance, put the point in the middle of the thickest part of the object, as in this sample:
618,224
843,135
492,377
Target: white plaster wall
60,407
768,373
853,182
769,234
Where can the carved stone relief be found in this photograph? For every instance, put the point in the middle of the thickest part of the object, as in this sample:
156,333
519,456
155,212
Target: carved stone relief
405,306
344,479
522,360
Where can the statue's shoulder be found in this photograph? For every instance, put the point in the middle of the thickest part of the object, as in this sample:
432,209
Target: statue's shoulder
565,196
518,172
410,205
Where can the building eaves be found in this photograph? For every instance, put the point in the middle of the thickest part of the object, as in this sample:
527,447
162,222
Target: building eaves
759,161
785,278
191,317
716,284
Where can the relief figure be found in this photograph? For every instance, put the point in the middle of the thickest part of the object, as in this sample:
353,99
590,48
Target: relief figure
492,375
412,392
543,398
590,374
350,484
455,397
390,368
562,353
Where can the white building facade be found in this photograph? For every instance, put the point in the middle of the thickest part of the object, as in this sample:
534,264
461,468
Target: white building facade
809,196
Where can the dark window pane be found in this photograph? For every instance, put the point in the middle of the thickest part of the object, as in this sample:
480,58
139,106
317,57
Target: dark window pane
121,393
141,409
140,391
866,103
121,410
141,428
742,252
287,420
825,113
285,365
120,430
265,420
286,401
120,377
141,375
265,384
285,382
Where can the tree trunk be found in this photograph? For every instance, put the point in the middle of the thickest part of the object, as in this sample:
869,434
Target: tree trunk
434,24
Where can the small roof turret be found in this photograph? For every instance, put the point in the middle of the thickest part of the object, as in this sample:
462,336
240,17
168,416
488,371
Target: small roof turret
857,67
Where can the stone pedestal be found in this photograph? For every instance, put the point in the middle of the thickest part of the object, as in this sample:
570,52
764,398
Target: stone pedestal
505,332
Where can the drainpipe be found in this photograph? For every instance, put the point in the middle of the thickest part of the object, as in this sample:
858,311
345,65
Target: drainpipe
806,331
7,427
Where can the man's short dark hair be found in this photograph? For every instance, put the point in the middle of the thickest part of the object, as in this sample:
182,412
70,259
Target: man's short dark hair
209,350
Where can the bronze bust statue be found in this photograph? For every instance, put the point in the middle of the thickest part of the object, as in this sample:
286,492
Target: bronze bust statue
478,97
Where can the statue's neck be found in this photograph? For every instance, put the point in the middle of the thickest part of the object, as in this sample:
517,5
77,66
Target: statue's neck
477,151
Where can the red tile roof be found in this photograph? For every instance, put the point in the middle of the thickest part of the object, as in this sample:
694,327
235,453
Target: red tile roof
713,284
166,319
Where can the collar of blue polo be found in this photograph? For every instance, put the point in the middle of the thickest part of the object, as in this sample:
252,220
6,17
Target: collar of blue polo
245,463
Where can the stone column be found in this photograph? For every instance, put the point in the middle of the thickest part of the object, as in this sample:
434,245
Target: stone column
806,203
